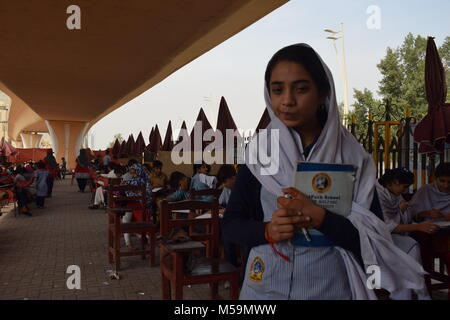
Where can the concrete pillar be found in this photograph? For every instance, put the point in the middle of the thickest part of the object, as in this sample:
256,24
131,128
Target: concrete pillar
17,144
31,140
67,139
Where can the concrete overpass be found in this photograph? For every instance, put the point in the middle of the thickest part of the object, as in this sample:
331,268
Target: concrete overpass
63,81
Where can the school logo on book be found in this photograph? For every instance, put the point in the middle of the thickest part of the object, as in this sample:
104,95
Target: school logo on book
321,182
257,270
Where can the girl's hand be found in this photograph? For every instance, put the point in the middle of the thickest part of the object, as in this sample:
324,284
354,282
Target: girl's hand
404,205
427,227
304,206
283,224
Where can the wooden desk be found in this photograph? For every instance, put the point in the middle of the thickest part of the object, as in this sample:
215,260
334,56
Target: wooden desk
434,246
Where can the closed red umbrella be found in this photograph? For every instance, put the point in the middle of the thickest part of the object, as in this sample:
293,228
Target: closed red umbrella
155,144
123,150
131,145
168,143
150,137
183,133
434,129
205,126
264,121
140,143
116,148
6,149
225,121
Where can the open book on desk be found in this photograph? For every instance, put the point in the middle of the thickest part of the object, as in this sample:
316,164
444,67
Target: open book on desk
328,185
442,224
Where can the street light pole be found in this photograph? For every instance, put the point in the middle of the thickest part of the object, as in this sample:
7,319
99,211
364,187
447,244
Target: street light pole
342,65
346,102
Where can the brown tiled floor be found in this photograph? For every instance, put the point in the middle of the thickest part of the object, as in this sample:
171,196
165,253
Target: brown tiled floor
36,251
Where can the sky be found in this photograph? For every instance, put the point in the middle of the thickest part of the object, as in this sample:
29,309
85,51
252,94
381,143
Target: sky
235,68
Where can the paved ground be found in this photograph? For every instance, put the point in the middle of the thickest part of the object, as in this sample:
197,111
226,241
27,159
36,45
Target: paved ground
35,253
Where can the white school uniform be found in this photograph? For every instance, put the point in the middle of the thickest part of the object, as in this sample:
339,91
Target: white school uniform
393,216
334,145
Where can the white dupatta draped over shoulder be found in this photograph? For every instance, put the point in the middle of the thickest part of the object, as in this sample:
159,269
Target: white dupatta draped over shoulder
336,145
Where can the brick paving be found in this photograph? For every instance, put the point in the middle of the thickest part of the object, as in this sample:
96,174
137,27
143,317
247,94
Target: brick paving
36,251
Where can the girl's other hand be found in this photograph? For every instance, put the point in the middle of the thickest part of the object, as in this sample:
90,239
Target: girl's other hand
434,214
427,227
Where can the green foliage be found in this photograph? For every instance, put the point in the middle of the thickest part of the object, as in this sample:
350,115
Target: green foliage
402,83
117,136
444,52
364,103
403,77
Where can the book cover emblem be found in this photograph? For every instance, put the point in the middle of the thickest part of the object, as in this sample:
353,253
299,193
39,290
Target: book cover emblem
329,185
321,182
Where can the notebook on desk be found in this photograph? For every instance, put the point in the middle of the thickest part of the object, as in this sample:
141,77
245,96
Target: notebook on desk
442,224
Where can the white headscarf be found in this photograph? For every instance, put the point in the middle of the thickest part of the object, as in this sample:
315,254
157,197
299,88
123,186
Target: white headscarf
390,204
336,145
429,197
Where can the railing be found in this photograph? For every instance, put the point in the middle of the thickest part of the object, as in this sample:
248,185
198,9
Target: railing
391,143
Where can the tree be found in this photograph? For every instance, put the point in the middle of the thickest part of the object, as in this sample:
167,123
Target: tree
363,104
444,52
403,75
117,136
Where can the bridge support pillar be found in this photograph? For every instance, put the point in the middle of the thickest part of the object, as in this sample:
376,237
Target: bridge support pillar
67,139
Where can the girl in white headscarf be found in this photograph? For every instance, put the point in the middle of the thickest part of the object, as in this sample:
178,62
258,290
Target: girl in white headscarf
432,203
300,99
390,187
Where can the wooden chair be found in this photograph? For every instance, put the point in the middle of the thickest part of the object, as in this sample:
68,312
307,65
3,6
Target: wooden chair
174,257
111,182
431,250
116,228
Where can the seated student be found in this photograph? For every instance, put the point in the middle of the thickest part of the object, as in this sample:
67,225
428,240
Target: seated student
22,194
432,202
41,175
178,182
390,188
138,177
202,181
196,184
100,193
226,177
157,177
127,175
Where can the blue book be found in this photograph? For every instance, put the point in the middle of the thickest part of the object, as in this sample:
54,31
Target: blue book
328,185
